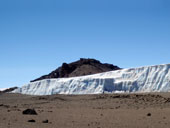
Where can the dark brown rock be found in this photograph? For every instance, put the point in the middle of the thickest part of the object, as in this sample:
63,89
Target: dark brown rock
149,114
79,68
32,121
45,121
29,112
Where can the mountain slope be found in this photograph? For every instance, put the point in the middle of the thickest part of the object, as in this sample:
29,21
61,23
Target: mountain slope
143,79
79,68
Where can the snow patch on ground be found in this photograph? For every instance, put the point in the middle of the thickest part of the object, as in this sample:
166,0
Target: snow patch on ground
2,89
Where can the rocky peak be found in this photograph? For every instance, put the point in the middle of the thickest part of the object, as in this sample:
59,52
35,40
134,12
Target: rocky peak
79,68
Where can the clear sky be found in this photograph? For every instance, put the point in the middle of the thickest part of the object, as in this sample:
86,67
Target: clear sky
37,36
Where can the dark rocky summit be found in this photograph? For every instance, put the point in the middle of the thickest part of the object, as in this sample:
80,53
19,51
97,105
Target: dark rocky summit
79,68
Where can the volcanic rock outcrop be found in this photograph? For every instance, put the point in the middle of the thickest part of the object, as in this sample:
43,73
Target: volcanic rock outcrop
79,68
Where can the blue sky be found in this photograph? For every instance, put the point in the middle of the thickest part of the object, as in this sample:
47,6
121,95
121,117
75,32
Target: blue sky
37,36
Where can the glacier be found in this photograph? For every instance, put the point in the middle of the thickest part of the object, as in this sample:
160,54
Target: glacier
143,79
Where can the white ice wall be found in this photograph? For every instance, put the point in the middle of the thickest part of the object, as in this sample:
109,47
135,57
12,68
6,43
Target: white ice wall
143,79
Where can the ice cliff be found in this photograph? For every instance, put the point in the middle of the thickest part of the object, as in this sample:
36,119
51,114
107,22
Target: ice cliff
143,79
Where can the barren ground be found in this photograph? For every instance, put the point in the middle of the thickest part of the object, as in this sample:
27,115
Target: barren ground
86,111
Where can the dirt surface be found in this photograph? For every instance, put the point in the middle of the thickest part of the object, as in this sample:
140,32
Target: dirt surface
86,111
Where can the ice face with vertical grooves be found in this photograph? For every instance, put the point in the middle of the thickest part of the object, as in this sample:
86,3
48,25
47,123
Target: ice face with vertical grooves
143,79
